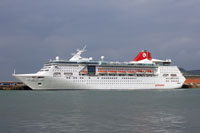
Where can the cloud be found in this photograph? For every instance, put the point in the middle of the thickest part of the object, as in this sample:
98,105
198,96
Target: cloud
33,31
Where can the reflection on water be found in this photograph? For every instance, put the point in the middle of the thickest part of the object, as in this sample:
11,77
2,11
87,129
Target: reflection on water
155,122
166,122
143,111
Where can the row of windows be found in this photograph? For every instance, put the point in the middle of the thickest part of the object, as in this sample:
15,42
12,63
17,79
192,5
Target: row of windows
109,82
172,80
103,78
129,78
173,75
123,69
34,78
58,74
57,70
44,70
63,66
109,78
118,83
168,70
138,75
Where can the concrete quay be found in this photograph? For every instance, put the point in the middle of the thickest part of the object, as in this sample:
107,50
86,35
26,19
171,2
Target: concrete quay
13,86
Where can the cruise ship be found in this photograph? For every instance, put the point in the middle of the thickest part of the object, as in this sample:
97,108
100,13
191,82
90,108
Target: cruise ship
142,72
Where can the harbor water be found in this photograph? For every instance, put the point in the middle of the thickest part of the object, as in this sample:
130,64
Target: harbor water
100,111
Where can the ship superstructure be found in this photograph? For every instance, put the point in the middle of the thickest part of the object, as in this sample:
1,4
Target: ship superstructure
85,73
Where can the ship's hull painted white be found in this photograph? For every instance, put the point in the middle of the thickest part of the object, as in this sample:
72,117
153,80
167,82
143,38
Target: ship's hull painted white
141,73
93,82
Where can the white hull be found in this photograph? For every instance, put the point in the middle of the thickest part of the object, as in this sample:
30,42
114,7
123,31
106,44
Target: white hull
130,83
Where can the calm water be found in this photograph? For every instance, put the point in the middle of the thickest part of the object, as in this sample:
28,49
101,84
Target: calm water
137,111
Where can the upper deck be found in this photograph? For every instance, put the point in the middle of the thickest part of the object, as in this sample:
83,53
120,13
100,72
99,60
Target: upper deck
144,58
142,61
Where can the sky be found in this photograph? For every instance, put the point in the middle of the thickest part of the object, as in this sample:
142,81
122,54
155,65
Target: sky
34,31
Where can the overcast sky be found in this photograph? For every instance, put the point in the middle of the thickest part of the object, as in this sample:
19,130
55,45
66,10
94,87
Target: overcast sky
34,31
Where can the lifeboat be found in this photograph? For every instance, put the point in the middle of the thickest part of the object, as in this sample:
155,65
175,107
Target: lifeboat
83,72
131,72
140,71
112,72
102,71
149,71
121,72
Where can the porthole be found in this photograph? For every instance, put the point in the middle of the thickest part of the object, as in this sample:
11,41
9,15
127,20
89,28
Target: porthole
39,84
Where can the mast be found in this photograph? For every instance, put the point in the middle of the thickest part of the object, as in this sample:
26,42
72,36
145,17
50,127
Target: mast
77,56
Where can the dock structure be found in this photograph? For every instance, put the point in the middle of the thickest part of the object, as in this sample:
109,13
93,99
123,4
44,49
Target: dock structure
192,81
12,85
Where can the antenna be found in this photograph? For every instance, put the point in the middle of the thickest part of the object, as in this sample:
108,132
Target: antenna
84,43
77,55
14,72
84,48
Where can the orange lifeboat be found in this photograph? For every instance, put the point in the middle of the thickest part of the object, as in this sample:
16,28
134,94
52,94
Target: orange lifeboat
149,71
102,71
112,72
131,72
83,72
140,71
121,72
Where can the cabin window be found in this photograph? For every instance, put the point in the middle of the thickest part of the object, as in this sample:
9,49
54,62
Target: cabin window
173,75
68,74
57,74
39,84
165,75
40,77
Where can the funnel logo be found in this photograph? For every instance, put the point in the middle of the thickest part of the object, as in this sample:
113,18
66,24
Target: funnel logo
144,55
